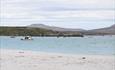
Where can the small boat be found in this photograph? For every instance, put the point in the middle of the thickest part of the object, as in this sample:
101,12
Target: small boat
27,38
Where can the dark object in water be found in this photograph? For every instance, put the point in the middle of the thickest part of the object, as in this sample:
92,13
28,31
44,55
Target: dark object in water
12,37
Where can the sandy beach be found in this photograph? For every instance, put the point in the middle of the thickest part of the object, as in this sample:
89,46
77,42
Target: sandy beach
29,60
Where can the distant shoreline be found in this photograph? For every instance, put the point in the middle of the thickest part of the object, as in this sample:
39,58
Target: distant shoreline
59,36
43,32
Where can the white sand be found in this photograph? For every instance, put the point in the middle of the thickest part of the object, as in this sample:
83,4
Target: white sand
28,60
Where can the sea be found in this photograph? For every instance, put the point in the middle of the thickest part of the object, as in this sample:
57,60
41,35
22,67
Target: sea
94,45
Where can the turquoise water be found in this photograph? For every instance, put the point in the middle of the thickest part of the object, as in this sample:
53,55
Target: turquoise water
104,45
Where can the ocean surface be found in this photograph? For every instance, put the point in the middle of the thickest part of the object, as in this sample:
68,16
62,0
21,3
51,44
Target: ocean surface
98,45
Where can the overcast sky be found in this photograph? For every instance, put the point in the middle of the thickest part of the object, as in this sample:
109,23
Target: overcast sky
87,14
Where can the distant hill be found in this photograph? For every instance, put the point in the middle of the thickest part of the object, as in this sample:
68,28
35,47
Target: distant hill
101,31
28,31
113,26
53,27
44,30
107,30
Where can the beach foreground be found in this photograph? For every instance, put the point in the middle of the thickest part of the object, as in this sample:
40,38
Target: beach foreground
29,60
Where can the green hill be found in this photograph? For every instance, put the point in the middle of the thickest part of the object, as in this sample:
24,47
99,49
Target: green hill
25,31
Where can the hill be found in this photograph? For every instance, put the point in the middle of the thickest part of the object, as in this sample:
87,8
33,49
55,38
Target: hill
108,30
44,30
53,28
28,31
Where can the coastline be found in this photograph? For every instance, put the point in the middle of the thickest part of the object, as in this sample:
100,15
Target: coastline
30,60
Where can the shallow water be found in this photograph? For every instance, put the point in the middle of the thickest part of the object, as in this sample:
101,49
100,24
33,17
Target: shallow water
103,45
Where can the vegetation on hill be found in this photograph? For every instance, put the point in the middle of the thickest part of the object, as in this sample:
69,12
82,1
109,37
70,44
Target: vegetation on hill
36,31
25,31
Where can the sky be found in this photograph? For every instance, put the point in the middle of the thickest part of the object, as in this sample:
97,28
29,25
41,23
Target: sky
86,14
